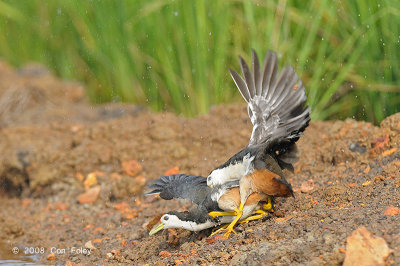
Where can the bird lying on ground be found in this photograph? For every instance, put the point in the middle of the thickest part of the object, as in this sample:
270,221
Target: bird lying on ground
276,107
221,199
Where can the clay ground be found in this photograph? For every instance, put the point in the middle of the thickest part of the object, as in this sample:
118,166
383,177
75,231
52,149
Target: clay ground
55,147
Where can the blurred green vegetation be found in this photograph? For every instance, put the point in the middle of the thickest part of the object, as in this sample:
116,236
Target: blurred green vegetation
174,55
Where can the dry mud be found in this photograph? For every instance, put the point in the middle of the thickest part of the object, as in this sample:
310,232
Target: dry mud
51,139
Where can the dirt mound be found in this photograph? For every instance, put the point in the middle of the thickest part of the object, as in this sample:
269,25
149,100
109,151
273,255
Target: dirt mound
76,172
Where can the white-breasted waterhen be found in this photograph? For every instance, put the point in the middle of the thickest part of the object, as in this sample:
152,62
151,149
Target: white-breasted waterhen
277,110
222,199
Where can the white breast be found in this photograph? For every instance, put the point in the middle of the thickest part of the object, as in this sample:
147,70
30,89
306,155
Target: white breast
231,172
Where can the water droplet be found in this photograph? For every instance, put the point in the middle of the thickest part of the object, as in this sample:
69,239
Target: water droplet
176,13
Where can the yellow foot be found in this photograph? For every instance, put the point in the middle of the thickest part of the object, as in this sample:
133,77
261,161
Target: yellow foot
261,214
268,205
219,229
215,214
229,228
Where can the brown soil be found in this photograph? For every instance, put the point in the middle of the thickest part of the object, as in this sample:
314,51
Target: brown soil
348,174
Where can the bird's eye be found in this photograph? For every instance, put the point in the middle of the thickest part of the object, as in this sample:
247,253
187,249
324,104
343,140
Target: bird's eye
166,218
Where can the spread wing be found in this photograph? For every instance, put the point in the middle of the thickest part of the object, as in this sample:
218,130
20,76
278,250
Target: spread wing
193,188
276,102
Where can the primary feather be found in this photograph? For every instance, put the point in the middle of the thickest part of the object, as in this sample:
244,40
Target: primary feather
276,104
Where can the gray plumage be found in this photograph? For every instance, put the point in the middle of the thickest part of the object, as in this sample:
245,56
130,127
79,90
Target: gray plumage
276,104
193,188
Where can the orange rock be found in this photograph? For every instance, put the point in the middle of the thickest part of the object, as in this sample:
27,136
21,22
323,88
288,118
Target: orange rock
115,252
51,256
164,254
140,181
70,263
25,202
129,214
131,167
362,248
379,144
121,206
215,238
389,152
283,219
173,238
124,243
366,183
391,210
89,226
90,181
76,128
98,229
366,170
90,196
172,171
79,176
307,186
115,176
61,206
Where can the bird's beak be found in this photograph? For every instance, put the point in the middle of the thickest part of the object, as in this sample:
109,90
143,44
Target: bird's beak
156,228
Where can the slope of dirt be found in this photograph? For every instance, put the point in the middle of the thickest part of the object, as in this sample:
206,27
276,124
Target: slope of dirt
51,140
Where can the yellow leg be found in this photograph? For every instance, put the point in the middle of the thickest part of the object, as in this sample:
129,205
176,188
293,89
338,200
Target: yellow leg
239,213
219,229
261,214
268,206
214,214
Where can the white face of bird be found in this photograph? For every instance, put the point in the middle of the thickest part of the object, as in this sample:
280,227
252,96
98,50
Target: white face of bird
166,221
172,221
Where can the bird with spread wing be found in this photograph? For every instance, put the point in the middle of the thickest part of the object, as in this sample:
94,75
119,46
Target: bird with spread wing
277,109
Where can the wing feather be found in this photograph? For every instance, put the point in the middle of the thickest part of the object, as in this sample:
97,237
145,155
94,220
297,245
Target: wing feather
269,72
240,84
248,77
276,102
193,188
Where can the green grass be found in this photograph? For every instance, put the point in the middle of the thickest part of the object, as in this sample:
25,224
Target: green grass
174,55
